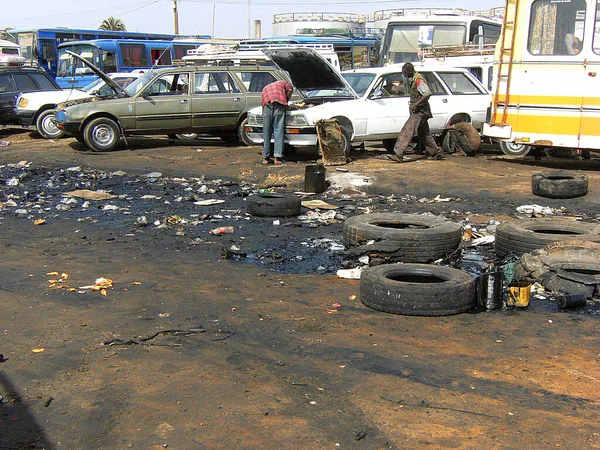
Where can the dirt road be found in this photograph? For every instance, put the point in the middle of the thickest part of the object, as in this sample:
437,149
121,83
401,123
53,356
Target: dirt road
190,350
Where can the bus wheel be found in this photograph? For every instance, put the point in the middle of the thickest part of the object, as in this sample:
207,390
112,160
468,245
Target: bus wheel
102,134
514,149
46,125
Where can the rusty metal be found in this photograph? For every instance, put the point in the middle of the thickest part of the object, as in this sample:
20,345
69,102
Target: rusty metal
331,142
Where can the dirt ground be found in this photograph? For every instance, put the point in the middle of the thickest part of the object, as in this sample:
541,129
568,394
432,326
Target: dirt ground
261,358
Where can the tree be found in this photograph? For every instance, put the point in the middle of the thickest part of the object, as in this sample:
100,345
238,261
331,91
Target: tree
112,24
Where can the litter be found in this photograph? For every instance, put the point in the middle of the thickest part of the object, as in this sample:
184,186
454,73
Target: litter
4,143
209,202
318,204
352,274
538,209
90,195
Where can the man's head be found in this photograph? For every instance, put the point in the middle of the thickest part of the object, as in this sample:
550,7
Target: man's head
408,70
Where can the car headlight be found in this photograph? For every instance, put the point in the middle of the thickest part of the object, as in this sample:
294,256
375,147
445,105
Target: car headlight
61,116
23,102
295,120
252,119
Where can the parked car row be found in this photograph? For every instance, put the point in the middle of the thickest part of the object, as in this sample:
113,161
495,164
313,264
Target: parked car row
224,101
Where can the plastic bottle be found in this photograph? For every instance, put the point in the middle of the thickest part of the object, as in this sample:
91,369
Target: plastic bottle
221,230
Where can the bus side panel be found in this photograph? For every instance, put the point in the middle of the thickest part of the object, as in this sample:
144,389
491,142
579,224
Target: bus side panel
590,120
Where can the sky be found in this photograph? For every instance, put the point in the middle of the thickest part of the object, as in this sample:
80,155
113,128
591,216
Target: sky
219,18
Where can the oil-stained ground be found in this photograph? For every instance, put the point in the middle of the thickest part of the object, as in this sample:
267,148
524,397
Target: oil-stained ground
190,348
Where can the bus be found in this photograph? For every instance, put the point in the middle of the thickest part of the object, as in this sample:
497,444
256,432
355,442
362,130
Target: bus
353,50
412,31
547,89
40,45
116,55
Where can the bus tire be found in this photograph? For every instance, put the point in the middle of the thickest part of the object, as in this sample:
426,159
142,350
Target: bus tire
46,125
559,184
514,149
102,134
417,289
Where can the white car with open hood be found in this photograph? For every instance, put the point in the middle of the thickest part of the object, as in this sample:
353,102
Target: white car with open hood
369,104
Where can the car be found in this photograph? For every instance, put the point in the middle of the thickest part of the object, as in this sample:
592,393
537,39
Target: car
16,79
37,108
177,100
368,111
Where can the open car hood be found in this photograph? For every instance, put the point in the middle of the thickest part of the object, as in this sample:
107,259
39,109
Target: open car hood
115,87
307,70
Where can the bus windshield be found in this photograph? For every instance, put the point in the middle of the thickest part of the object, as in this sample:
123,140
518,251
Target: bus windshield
68,66
404,41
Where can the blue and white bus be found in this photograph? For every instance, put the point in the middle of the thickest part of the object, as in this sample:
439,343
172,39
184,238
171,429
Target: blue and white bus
117,55
40,45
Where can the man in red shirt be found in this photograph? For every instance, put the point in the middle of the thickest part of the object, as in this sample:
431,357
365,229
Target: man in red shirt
275,98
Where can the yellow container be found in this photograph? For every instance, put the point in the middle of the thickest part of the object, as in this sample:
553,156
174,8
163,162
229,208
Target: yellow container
519,293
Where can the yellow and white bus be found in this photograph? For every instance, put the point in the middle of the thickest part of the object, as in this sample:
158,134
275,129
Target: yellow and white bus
547,77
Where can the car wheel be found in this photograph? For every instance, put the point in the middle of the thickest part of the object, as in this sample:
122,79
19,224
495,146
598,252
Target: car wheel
230,139
46,125
243,136
514,149
346,141
79,138
102,134
417,289
389,144
183,136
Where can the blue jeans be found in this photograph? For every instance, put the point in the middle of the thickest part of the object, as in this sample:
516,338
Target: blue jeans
273,125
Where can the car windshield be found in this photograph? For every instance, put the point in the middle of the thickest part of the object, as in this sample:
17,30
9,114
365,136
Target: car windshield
138,84
92,85
340,92
360,82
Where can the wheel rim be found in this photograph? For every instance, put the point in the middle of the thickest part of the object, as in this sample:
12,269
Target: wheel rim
512,148
187,136
103,135
49,125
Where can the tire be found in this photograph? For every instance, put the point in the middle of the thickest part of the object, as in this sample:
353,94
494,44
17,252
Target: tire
389,144
273,205
525,236
417,289
102,134
513,149
79,138
230,139
559,184
347,141
183,136
463,137
46,126
243,136
407,237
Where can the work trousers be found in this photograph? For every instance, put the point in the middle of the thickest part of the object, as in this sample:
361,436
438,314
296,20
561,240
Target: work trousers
273,125
417,124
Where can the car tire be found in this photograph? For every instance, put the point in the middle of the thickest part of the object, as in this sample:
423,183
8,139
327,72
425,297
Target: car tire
183,136
79,138
347,141
243,135
102,134
513,149
463,137
525,236
559,184
406,237
417,289
273,205
46,125
389,144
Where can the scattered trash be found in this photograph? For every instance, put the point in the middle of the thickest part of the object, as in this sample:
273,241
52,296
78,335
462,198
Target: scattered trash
438,199
154,175
318,204
222,230
519,293
538,209
212,201
571,301
4,143
38,350
39,221
352,274
90,195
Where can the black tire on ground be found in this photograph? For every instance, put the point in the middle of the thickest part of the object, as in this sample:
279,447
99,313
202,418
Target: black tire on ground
389,144
417,289
46,125
347,141
524,236
559,184
273,205
463,137
242,135
102,134
79,138
512,149
407,237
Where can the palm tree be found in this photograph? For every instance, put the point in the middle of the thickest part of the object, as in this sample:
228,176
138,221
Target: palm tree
112,24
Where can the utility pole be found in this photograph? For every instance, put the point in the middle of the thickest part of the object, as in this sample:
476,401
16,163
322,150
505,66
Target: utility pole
249,29
176,16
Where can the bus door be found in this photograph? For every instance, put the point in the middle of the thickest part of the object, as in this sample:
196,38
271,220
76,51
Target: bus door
217,100
165,104
590,121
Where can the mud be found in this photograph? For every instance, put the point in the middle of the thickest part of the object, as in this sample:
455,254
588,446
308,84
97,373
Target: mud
261,357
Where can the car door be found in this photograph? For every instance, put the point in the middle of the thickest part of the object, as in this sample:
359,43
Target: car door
217,101
386,107
7,97
439,102
165,104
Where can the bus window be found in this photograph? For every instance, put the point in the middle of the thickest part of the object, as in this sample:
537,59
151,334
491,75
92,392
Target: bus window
556,28
447,35
134,55
160,57
596,45
109,62
181,50
48,52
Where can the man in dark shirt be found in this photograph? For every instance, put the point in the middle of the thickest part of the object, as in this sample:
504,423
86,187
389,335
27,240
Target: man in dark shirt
275,98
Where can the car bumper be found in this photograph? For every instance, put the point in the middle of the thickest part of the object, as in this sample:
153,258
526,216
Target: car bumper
25,117
296,136
72,129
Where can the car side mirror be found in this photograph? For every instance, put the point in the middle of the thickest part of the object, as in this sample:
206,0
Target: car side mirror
146,94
